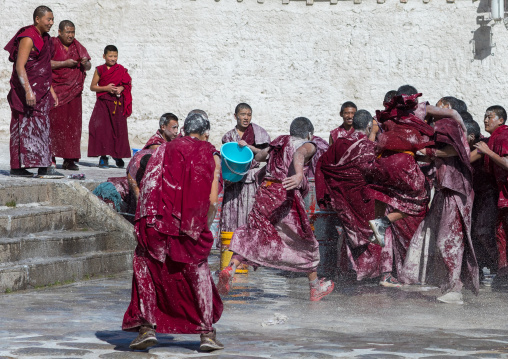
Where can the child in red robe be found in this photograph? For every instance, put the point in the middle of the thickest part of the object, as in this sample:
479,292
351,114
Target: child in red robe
108,124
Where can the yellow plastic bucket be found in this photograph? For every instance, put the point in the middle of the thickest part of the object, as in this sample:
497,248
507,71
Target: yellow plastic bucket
226,254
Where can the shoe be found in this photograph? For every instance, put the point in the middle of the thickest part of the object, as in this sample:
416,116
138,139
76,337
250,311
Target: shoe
451,298
104,162
389,281
225,279
70,165
119,162
49,173
500,282
145,339
322,290
379,226
20,172
209,342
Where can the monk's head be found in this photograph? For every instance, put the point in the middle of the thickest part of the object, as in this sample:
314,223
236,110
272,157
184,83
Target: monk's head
243,116
347,111
363,122
66,32
407,90
301,127
43,18
472,127
495,116
110,55
389,95
196,125
168,125
199,112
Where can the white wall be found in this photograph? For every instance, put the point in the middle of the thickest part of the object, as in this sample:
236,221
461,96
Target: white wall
284,60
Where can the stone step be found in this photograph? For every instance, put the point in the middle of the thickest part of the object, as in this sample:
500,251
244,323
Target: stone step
24,191
57,270
54,244
31,219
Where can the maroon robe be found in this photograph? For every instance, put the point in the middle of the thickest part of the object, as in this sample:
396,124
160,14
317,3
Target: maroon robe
498,143
341,181
278,232
172,286
29,129
441,251
108,133
338,132
321,147
156,139
239,196
66,119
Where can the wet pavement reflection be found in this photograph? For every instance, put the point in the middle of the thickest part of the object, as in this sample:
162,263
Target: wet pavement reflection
267,315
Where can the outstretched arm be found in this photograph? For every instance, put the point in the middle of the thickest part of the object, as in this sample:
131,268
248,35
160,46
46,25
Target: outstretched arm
214,193
498,160
301,156
446,113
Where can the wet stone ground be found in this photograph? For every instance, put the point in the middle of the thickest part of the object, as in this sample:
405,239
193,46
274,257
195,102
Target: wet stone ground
267,315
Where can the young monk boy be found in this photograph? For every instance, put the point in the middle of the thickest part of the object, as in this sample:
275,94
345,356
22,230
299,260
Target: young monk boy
347,111
278,233
496,162
108,124
172,289
168,130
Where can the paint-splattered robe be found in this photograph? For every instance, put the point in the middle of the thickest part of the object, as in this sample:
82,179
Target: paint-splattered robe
172,286
156,139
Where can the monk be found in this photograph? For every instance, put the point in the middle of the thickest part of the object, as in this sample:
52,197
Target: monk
108,124
168,130
341,182
31,96
278,232
496,162
441,251
172,290
483,218
239,196
347,111
69,64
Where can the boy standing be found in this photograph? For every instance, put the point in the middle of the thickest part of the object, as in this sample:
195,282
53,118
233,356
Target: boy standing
108,123
347,112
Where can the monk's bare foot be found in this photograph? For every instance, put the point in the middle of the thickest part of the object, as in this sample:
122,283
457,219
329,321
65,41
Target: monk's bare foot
225,279
209,342
321,289
145,339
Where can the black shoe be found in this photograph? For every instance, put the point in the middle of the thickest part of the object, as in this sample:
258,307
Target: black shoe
104,162
209,342
119,162
20,172
145,339
49,173
70,165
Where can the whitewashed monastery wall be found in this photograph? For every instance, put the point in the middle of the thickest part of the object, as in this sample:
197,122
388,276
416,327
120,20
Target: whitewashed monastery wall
286,60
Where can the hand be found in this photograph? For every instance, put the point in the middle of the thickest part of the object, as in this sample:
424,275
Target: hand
70,63
118,90
482,147
292,182
111,88
375,127
242,143
84,60
30,98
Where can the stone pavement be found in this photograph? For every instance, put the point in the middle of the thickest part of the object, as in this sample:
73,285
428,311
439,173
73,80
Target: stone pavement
267,315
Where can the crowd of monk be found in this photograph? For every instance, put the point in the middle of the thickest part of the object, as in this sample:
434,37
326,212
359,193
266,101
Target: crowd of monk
421,195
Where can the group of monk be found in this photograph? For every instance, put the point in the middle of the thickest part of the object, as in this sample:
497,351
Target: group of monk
421,195
45,99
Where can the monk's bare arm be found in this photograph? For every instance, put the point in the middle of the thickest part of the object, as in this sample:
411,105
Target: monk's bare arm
374,131
87,65
133,186
214,193
475,156
446,113
55,97
301,156
330,140
254,149
96,88
262,155
67,63
447,151
498,160
25,46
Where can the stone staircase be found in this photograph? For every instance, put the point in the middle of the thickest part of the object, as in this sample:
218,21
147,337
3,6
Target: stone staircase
56,232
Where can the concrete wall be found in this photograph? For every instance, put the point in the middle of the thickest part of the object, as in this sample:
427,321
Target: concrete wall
286,60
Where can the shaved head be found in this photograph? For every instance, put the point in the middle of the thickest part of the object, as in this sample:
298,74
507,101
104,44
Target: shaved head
40,11
63,24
